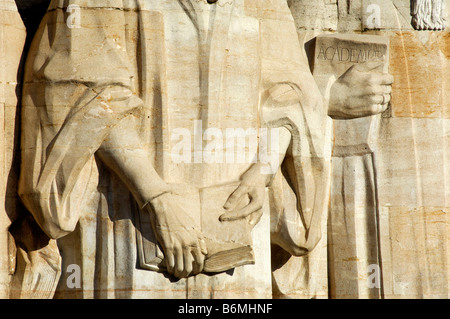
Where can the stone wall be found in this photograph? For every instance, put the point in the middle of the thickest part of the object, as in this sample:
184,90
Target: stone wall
12,39
412,172
412,159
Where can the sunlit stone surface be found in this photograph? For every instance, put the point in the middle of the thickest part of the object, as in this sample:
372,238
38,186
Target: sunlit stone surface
224,149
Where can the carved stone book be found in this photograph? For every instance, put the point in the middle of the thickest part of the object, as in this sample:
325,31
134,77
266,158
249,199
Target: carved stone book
336,54
229,243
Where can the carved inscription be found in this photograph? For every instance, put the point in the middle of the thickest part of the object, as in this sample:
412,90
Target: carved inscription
335,55
342,52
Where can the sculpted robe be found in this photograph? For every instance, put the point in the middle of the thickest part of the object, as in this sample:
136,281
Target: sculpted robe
169,63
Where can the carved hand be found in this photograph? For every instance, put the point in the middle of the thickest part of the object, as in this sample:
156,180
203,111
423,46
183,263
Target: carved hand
41,256
252,187
183,245
361,91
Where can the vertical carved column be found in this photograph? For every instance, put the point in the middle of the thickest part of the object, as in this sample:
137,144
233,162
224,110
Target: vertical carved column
12,40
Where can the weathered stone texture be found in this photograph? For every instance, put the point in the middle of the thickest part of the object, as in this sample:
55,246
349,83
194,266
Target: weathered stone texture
12,38
420,65
412,156
389,207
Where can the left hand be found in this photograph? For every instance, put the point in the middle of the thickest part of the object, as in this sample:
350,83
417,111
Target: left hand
39,275
363,90
252,187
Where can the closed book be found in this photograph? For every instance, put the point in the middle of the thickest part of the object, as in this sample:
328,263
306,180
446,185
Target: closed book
229,243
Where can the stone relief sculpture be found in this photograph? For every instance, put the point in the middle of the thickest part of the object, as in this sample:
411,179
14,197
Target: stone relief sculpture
353,215
119,172
428,14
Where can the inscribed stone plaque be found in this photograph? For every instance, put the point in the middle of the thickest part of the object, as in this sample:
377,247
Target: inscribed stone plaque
336,54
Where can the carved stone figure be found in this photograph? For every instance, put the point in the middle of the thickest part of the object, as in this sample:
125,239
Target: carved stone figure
353,222
107,96
428,14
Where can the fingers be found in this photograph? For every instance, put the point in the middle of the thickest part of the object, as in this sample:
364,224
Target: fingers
376,78
387,89
364,90
254,206
199,260
386,99
377,108
255,217
368,73
170,261
186,267
378,95
185,260
387,79
256,195
234,198
199,252
203,249
179,263
377,89
376,99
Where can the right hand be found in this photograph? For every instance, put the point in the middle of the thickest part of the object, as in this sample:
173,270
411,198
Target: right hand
183,245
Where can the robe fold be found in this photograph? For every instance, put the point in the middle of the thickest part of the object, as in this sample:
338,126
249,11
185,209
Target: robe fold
232,64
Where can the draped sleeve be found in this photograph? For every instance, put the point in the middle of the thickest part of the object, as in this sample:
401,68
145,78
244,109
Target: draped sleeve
291,99
79,83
